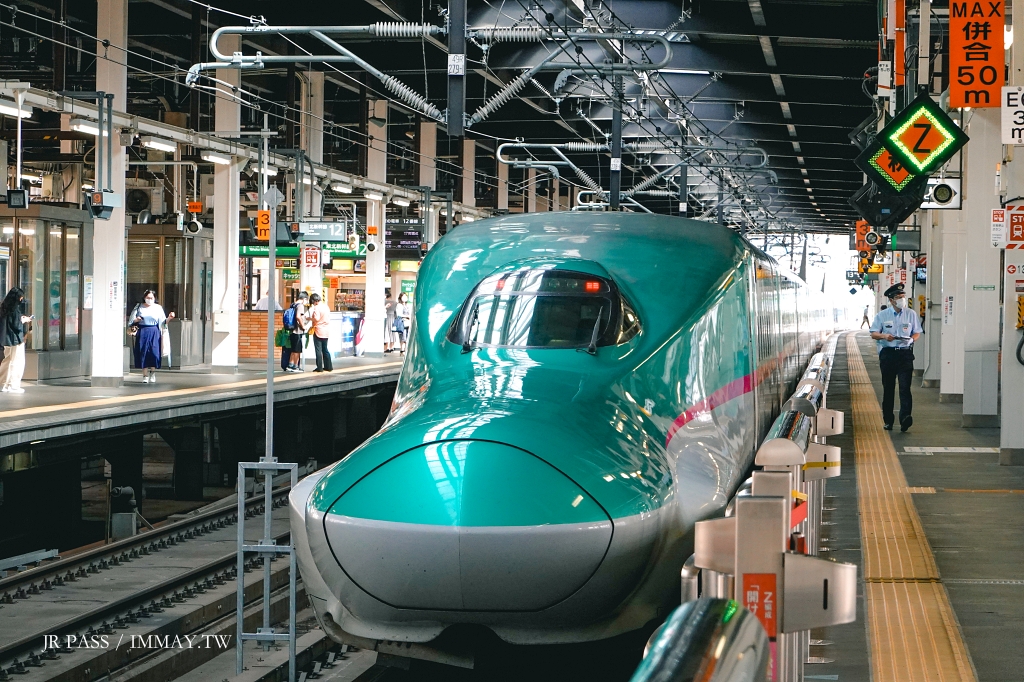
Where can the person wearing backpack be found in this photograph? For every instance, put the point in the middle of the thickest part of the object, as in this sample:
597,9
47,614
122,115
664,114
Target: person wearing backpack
295,322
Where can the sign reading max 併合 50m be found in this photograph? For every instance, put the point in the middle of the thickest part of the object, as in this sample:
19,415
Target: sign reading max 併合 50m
922,137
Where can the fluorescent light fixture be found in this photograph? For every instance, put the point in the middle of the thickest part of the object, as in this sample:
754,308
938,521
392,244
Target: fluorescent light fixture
397,201
373,196
214,157
27,231
54,233
269,171
686,72
31,178
9,229
340,187
468,218
84,125
10,108
157,143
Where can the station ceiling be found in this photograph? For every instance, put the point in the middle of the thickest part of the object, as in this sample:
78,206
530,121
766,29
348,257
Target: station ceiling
785,76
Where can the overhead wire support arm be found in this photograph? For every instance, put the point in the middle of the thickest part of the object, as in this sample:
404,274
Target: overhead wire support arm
382,29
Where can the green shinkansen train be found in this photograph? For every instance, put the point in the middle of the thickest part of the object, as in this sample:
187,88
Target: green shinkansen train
579,390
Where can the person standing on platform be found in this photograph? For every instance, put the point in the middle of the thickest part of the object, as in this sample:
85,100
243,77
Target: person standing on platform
320,317
895,329
865,321
148,319
403,318
13,319
296,322
389,322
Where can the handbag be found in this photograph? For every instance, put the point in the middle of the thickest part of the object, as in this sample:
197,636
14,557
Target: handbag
281,338
133,328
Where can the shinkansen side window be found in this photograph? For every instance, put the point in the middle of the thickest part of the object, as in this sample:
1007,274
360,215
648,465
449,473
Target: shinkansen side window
544,309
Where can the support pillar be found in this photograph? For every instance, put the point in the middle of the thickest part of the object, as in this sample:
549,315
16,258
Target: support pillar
1011,432
981,335
556,195
125,455
108,313
311,136
933,300
376,169
188,461
502,185
469,172
427,149
953,311
227,116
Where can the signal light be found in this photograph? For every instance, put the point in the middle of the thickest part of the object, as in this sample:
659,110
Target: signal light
593,286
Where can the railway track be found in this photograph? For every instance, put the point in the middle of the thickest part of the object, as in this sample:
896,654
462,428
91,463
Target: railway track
99,594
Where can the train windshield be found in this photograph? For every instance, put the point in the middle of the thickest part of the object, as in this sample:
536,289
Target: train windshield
544,309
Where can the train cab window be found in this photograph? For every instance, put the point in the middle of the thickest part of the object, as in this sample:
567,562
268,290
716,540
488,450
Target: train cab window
544,309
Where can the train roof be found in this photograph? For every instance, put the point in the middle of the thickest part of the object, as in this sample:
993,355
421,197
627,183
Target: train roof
662,263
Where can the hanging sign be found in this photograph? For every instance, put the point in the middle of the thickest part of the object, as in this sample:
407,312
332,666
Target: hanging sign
922,137
263,224
976,55
310,256
1014,235
1012,114
884,169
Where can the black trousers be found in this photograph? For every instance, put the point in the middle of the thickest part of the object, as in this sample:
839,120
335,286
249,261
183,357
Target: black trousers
896,363
323,356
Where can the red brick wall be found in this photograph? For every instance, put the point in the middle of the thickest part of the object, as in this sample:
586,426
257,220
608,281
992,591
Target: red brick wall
252,333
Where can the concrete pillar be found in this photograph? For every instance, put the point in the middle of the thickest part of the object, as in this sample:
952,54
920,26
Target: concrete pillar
932,236
556,195
187,443
311,136
427,149
376,169
530,203
108,313
502,185
227,116
981,334
953,312
468,172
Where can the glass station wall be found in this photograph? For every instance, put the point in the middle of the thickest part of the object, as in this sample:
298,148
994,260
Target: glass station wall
44,258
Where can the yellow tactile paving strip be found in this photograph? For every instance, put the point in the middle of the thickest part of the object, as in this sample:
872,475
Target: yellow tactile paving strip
911,627
180,392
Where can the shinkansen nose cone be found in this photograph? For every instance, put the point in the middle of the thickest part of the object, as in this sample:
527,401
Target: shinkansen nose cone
468,525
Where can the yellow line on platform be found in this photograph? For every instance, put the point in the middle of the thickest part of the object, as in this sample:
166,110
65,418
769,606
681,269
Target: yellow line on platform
177,393
913,632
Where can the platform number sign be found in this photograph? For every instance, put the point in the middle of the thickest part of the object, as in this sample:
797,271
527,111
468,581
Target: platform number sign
885,169
263,226
976,53
922,137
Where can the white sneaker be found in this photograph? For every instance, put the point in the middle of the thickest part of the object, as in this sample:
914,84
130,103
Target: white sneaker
152,378
145,379
15,390
5,389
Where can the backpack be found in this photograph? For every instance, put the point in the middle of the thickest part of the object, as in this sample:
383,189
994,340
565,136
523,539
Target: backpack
290,318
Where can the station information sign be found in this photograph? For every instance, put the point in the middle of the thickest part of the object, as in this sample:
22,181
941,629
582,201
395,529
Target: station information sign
1012,115
1013,234
922,137
976,53
320,230
402,238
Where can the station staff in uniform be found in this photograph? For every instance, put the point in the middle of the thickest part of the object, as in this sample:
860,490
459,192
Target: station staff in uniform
895,329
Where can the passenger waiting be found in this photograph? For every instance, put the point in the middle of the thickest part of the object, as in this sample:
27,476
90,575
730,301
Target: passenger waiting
147,323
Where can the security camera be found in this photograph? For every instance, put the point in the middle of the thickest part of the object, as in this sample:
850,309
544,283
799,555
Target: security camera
872,238
371,247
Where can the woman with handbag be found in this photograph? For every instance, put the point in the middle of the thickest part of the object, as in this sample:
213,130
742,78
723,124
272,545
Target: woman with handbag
147,322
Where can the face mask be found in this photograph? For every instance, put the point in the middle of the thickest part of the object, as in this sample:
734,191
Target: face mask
900,303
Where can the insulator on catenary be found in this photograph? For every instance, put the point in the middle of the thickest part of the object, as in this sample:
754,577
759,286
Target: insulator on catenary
500,98
511,35
588,181
396,29
584,147
410,97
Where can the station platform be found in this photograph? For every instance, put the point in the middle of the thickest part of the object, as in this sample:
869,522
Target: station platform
69,408
931,519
